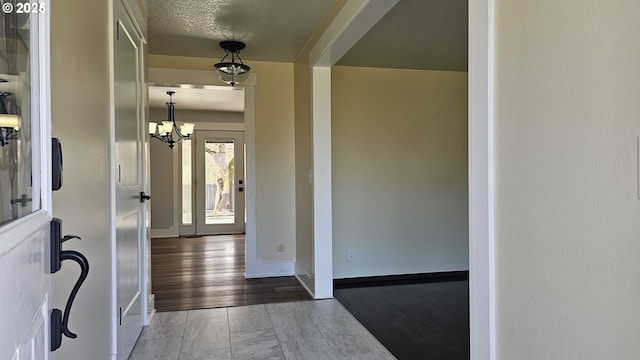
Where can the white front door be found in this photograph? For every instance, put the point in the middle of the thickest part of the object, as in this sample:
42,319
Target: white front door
129,211
25,183
219,182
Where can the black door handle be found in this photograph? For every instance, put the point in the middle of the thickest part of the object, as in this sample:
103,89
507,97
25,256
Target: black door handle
60,320
144,197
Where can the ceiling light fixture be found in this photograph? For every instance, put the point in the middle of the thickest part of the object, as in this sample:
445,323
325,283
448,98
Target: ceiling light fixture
168,127
232,73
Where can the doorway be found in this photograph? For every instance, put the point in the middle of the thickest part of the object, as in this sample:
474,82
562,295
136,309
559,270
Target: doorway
340,36
212,183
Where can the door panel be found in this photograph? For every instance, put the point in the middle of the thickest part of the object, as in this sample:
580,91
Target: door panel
220,182
129,184
128,263
26,292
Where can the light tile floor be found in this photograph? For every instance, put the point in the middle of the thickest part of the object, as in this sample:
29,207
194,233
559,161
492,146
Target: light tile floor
301,330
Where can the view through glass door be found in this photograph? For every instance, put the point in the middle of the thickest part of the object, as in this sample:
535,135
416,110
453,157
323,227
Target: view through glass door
218,170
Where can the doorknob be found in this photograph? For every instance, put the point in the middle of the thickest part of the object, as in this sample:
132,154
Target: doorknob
144,197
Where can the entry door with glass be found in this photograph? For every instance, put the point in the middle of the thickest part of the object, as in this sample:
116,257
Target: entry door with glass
219,186
27,295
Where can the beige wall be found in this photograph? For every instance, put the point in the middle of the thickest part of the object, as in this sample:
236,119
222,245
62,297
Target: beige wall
80,118
567,211
275,157
399,147
161,178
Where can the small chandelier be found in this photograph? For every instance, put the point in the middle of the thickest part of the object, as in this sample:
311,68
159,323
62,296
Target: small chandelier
232,73
168,127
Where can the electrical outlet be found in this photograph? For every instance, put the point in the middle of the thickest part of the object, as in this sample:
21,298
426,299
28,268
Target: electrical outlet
281,248
350,255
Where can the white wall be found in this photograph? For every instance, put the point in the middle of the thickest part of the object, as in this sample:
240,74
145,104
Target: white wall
80,118
567,209
399,146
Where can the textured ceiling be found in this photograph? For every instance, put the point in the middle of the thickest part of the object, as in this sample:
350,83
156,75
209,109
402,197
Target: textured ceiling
274,30
415,34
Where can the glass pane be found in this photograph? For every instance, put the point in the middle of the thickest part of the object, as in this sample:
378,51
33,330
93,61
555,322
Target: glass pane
16,180
187,209
219,182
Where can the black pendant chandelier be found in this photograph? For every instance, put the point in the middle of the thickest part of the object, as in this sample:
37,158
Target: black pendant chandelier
168,127
232,73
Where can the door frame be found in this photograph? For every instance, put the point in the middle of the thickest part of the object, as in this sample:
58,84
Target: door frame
351,23
190,230
254,266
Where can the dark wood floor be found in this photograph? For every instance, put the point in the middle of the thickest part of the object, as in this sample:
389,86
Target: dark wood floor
415,321
207,272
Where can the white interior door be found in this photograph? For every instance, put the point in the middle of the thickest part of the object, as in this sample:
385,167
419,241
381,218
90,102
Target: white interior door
25,185
130,215
220,185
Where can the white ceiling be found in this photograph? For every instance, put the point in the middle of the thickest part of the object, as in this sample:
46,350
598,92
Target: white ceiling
415,34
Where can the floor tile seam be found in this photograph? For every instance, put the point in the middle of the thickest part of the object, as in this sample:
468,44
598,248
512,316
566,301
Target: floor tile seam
270,319
160,324
326,340
184,330
229,332
231,347
274,330
371,336
232,351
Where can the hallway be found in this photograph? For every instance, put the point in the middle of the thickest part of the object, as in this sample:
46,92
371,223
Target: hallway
207,272
320,329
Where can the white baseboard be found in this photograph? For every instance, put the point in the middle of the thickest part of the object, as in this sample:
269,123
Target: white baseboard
306,282
165,233
150,317
305,279
151,308
258,269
